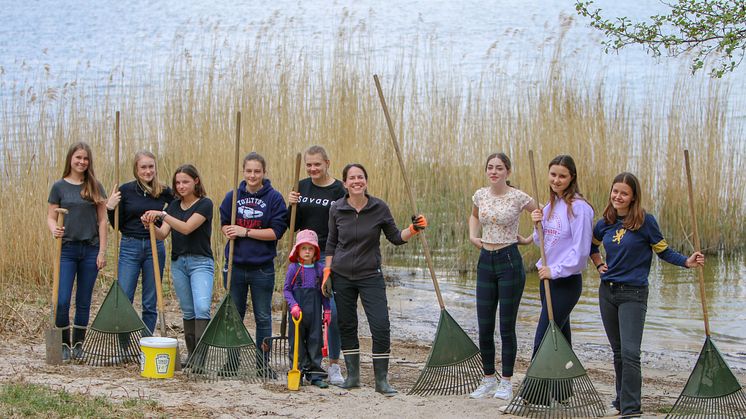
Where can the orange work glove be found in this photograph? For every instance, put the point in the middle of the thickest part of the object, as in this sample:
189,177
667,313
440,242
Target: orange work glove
326,283
419,223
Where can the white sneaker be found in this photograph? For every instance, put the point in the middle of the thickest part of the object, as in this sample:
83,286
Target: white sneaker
504,390
488,387
335,375
612,411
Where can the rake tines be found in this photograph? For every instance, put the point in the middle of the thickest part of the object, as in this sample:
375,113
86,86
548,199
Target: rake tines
556,398
114,336
277,352
226,350
712,390
454,365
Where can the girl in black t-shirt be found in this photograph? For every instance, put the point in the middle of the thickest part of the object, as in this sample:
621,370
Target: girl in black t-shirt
192,265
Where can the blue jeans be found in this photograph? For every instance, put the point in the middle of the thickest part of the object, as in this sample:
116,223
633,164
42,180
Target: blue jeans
78,259
193,278
261,281
623,309
135,256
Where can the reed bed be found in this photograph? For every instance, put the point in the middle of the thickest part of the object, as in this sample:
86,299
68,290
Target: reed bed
291,98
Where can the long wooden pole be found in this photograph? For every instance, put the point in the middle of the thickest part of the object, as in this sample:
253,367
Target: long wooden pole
695,241
408,186
116,188
234,203
56,269
540,232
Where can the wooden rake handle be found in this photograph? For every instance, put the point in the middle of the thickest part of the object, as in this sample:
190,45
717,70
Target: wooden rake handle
116,187
157,273
540,232
423,239
695,241
57,261
234,203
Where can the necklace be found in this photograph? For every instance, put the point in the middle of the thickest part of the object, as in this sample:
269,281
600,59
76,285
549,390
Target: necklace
185,206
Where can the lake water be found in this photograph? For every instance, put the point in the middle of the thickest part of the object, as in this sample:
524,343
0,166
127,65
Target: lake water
101,46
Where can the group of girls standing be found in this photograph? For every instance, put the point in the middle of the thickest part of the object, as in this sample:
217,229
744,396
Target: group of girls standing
341,226
629,236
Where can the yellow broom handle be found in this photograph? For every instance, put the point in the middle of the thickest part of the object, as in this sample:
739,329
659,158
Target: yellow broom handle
540,232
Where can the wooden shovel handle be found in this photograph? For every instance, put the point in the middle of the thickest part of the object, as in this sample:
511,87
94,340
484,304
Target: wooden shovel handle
57,261
540,232
423,239
157,273
695,241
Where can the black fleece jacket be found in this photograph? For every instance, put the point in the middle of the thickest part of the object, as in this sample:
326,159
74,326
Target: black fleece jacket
354,239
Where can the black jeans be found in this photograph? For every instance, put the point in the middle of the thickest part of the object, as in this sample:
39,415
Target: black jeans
372,293
623,309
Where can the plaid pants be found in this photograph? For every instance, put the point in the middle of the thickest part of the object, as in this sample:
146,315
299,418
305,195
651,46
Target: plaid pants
500,282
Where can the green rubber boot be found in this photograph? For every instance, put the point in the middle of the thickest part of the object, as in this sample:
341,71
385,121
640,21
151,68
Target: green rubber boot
352,362
381,372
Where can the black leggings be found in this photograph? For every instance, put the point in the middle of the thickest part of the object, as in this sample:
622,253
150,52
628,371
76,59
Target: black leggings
372,293
565,295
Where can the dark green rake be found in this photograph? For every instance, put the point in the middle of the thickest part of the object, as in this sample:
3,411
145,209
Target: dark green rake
226,349
114,336
712,390
454,365
556,384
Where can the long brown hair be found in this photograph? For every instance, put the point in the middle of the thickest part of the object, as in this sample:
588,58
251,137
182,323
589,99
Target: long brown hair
191,171
636,215
572,191
90,190
154,187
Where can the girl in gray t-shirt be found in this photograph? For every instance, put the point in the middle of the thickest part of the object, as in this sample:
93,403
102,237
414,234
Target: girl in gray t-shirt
83,241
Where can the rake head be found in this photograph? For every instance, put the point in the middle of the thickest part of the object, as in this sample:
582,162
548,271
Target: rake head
114,336
712,390
556,384
454,365
276,350
227,351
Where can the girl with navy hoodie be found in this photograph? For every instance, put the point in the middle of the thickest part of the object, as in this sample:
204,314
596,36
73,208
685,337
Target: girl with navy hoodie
260,223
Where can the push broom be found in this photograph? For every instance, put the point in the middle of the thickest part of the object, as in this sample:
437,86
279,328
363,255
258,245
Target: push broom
277,346
114,336
712,389
556,384
454,365
226,350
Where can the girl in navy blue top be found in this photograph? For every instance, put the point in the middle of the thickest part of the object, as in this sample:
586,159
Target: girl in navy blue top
134,198
260,223
630,236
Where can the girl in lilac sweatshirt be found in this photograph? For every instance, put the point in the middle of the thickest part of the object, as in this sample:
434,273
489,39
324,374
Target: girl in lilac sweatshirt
567,221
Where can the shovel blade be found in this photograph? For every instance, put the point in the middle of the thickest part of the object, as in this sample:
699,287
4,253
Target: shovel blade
294,380
53,340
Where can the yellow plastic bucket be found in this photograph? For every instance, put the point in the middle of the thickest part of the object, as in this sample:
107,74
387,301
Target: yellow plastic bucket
157,357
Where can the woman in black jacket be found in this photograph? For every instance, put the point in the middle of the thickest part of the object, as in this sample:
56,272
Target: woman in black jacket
353,255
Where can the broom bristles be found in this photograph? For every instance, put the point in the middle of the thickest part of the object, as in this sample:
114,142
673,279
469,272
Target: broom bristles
212,363
556,398
456,379
729,406
107,348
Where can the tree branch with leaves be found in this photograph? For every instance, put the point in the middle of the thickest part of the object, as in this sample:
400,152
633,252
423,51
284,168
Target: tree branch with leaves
709,29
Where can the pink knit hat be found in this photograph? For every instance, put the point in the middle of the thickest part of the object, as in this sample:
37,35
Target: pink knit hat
305,237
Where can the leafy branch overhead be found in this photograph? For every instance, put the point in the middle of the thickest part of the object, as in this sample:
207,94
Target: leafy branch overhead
714,29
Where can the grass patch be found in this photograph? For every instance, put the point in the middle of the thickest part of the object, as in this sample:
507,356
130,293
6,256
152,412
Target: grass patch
33,400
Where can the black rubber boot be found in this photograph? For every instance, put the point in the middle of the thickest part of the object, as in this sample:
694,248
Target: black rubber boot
66,344
352,362
381,372
189,339
78,338
199,329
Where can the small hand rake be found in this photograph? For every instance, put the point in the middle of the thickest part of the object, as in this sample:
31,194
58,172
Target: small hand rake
114,336
454,365
556,384
226,350
277,346
712,390
53,335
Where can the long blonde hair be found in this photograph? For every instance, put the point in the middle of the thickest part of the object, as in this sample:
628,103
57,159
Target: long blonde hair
154,187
